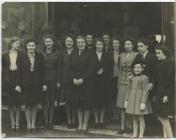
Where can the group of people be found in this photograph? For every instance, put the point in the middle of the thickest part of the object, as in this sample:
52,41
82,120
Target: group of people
90,75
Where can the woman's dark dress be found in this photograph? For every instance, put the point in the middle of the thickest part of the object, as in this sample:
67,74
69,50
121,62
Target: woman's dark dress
102,88
11,79
65,77
165,86
81,67
50,66
35,81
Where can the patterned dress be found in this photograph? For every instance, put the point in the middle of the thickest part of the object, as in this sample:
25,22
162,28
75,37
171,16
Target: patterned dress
124,72
138,94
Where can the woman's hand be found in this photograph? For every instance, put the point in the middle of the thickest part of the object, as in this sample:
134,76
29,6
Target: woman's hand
55,103
44,88
126,104
165,99
80,81
58,85
142,106
75,82
150,87
100,71
18,89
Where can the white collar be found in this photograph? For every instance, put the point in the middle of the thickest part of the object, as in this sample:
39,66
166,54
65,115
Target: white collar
144,55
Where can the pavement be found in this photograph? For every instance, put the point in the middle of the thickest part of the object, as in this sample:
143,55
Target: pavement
61,131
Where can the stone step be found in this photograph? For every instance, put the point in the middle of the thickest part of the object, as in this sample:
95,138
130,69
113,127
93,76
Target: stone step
107,132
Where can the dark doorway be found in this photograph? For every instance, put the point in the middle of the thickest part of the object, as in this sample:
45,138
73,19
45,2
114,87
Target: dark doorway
121,19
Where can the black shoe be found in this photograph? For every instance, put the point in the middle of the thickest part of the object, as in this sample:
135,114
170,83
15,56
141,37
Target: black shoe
33,130
17,129
129,130
69,126
73,125
96,125
13,128
84,131
101,126
50,127
121,131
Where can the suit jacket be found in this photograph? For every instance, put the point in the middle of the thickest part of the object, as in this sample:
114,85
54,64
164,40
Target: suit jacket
106,64
151,65
39,70
125,70
51,65
7,79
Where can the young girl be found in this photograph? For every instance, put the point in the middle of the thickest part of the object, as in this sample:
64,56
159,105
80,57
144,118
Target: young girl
137,103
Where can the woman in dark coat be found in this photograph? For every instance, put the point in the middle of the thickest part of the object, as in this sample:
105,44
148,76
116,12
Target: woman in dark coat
165,89
51,57
65,78
12,70
81,77
102,78
35,83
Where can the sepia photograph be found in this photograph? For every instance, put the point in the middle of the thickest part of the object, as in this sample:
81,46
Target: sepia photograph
88,70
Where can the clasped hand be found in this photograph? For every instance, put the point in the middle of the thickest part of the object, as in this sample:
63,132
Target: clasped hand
77,81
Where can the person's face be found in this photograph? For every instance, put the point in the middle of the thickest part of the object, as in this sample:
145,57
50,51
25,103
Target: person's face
49,43
99,46
142,48
69,42
138,69
128,46
106,39
31,47
89,39
81,44
15,45
160,55
116,44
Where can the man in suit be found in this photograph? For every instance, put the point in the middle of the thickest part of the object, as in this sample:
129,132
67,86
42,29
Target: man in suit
150,61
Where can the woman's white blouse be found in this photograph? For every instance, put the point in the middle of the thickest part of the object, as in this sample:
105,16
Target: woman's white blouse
13,59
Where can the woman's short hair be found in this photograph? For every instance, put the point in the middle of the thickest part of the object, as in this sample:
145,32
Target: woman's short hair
12,40
115,38
52,38
145,41
81,37
99,39
164,49
129,39
29,40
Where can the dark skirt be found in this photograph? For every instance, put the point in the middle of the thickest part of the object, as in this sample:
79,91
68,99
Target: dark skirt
163,109
66,94
10,96
82,97
102,96
51,94
13,98
33,91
